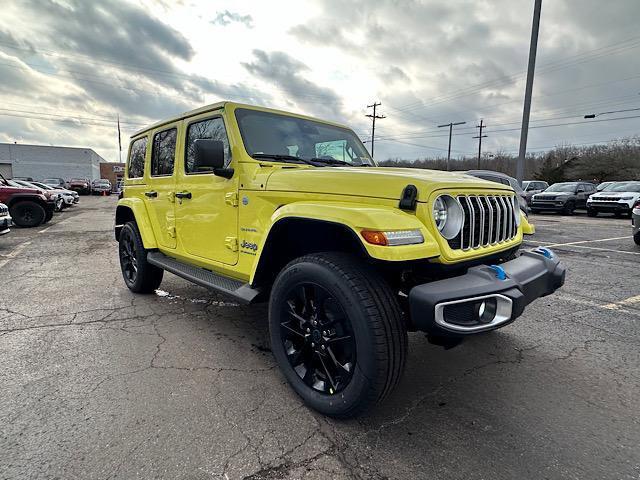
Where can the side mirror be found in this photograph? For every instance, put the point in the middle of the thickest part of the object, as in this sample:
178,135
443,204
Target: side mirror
209,155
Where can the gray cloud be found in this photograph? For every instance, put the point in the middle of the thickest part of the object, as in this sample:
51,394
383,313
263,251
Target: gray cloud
226,17
287,74
121,33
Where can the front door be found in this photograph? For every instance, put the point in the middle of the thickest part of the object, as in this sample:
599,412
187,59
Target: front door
206,204
159,197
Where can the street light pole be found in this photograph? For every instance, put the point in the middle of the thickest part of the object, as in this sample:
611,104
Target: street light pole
450,125
533,48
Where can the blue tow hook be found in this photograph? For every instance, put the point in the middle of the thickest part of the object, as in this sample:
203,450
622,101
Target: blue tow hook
545,252
500,273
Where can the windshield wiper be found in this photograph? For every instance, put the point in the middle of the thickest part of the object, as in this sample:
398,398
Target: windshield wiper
330,161
283,158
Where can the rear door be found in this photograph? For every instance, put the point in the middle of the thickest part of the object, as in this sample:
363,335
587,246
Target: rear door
159,197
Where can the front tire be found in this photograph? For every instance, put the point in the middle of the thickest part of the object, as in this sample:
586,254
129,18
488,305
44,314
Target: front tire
138,274
636,238
337,333
591,212
27,214
569,207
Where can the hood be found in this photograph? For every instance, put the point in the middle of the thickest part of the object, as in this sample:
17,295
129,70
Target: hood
375,182
615,194
23,189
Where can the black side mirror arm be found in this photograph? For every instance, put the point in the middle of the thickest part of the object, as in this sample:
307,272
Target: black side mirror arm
223,172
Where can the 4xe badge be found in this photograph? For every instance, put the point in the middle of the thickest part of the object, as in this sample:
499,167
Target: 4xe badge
249,246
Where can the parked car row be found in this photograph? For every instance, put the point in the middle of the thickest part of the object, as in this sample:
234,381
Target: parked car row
31,203
82,186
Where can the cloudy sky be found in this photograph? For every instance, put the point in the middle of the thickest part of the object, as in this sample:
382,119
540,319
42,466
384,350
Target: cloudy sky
69,67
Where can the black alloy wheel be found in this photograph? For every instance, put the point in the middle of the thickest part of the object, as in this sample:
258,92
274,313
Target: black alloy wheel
337,332
27,214
138,274
128,260
318,338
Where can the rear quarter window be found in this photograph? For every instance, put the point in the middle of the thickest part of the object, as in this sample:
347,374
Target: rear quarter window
137,153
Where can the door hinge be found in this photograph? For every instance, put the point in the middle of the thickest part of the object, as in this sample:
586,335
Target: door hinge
172,197
231,243
171,231
231,198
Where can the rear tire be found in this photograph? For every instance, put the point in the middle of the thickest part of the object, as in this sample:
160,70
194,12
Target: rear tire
27,213
138,274
335,301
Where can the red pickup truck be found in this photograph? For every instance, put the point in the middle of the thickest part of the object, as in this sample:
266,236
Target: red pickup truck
28,207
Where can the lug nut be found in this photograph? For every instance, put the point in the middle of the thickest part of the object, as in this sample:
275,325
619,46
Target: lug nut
323,347
308,330
313,344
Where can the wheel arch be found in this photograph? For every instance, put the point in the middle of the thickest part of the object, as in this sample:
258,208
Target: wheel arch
133,210
292,237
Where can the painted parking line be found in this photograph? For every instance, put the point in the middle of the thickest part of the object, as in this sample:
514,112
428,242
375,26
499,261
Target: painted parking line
589,241
622,303
617,306
568,246
16,251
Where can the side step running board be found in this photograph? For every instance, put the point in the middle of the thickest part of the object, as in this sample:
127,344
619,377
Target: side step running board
242,292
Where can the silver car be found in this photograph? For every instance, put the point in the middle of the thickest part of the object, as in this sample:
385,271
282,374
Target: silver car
531,187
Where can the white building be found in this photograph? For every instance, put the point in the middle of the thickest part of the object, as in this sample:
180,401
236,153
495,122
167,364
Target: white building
44,161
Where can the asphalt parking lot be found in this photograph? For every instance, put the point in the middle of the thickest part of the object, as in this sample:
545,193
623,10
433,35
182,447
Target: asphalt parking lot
99,383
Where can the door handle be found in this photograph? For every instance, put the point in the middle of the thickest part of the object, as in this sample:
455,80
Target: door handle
183,194
151,194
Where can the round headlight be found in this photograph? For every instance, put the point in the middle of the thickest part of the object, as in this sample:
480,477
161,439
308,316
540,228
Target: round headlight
448,216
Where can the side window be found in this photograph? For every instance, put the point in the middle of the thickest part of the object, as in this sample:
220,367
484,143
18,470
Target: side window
137,153
211,128
163,153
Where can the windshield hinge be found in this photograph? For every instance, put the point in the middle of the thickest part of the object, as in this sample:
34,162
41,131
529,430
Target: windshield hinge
231,198
171,231
231,243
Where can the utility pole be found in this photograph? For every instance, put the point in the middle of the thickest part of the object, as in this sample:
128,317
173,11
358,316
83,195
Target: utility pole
373,122
450,125
119,141
480,136
533,48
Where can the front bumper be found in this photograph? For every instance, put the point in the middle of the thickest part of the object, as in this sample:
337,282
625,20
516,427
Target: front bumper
486,297
554,205
609,206
5,224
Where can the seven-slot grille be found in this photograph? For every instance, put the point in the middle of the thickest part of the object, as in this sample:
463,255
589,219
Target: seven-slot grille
488,220
3,210
606,199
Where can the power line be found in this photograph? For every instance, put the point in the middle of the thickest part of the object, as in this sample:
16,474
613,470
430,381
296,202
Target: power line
588,55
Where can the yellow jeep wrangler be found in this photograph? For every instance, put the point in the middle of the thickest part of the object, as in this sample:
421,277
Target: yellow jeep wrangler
264,205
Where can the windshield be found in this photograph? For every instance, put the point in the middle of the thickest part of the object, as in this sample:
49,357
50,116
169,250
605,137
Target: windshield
84,180
291,138
562,187
625,187
51,181
101,182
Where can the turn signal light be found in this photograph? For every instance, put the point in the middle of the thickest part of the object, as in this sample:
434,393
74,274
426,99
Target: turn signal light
376,238
393,237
